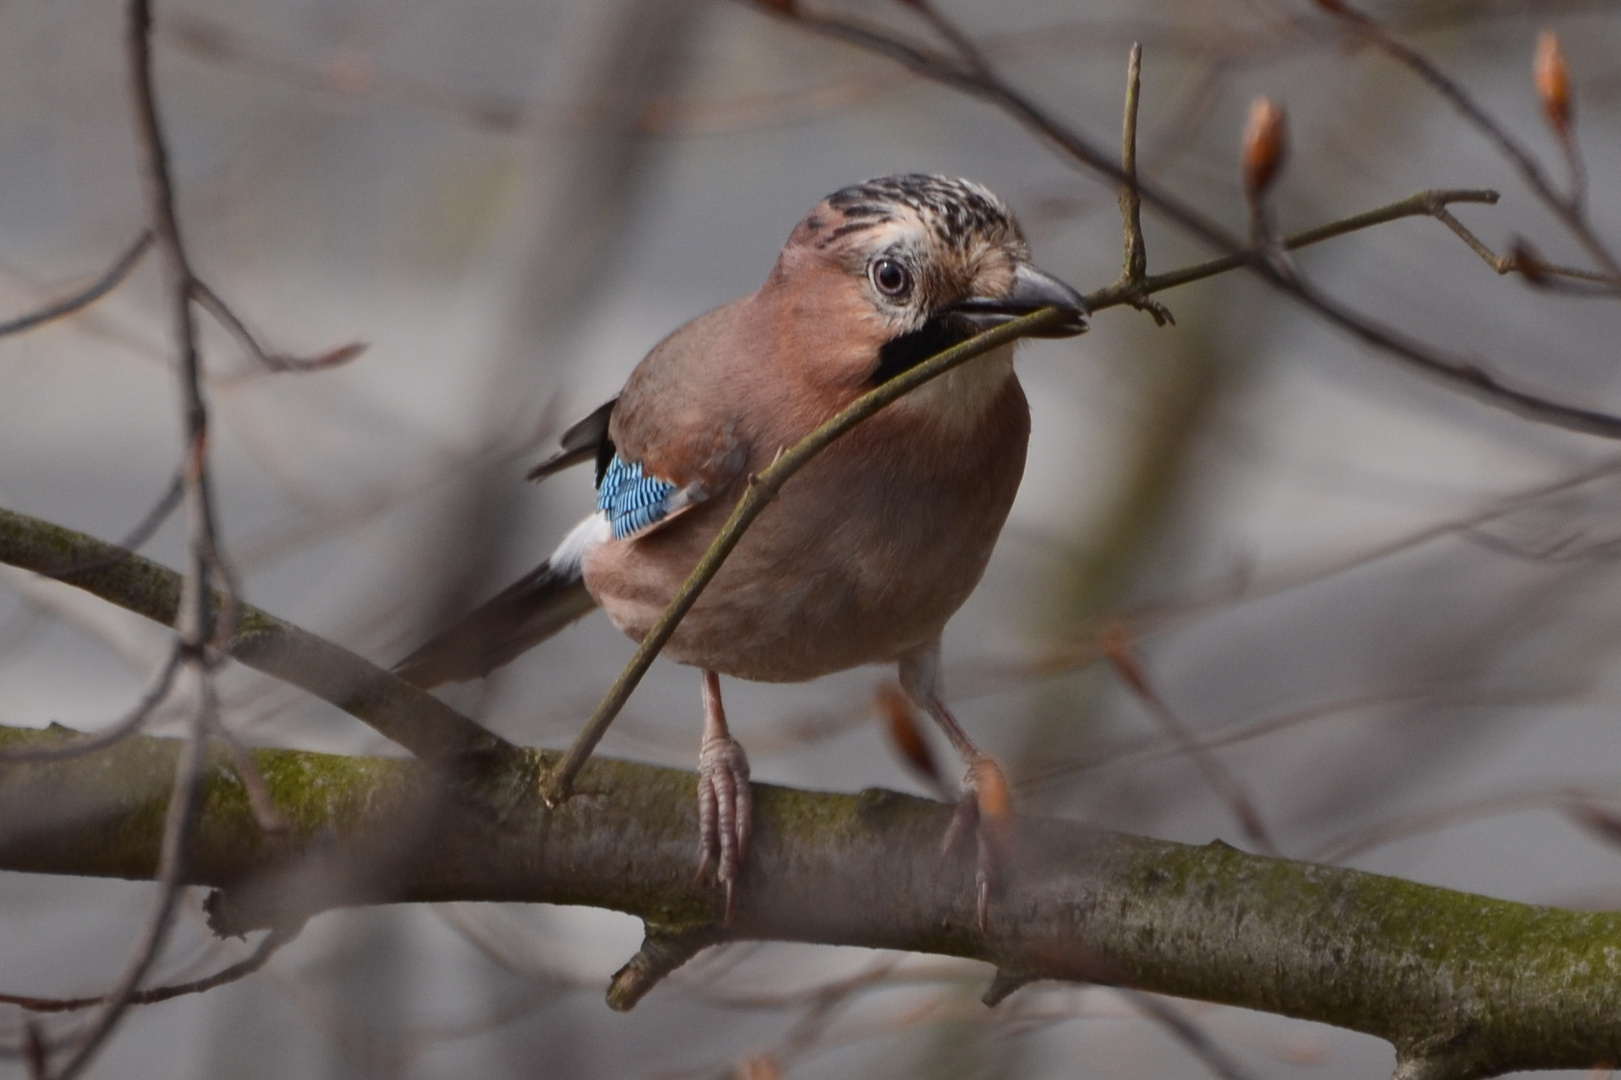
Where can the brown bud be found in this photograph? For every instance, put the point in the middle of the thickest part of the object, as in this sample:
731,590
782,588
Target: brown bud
761,1067
1553,83
900,724
1529,262
1602,823
1266,145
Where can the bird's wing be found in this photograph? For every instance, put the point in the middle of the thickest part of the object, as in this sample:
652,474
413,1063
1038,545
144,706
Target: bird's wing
585,441
633,499
636,502
529,611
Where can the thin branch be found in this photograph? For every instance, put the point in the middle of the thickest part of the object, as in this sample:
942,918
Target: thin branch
268,947
35,1050
1566,797
1567,209
427,727
1118,649
123,729
1134,262
194,623
260,800
137,537
106,283
1194,1038
762,488
1161,616
1459,372
173,870
212,303
1429,203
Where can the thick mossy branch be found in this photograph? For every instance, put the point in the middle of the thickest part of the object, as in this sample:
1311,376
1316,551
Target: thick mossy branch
1464,986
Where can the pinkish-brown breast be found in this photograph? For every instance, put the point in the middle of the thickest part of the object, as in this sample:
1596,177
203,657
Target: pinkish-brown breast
864,555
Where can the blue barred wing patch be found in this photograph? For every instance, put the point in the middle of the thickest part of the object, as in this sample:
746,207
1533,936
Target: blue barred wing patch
633,501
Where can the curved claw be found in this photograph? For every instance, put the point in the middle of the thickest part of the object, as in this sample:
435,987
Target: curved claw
986,809
725,813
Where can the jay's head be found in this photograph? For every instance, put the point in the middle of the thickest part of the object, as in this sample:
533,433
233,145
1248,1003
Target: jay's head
923,262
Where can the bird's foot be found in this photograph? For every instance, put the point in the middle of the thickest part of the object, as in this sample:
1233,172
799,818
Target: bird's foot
725,812
986,810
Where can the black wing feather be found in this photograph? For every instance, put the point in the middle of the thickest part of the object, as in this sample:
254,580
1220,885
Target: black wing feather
585,441
526,613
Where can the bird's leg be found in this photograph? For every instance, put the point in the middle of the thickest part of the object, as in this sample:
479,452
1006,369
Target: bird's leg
725,803
985,807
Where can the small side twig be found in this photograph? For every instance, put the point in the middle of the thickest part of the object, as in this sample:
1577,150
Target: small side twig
195,619
35,1050
1567,208
662,951
1429,203
1116,648
123,729
272,942
135,539
179,824
211,302
109,280
1134,262
260,801
1193,1038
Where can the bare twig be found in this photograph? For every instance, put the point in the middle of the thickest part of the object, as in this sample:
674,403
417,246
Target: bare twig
129,725
106,283
1134,263
179,823
1151,748
35,1050
1194,1038
1162,616
450,742
1462,373
1118,649
212,303
260,801
1573,800
195,619
1431,203
134,540
255,960
1568,209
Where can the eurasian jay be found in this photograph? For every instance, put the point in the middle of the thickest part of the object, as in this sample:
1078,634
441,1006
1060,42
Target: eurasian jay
871,547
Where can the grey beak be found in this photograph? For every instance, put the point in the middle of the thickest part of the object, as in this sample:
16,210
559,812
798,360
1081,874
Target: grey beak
1032,291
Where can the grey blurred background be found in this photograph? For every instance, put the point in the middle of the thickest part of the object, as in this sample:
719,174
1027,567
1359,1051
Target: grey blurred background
512,202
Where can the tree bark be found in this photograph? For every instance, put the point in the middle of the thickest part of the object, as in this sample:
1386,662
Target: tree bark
1463,986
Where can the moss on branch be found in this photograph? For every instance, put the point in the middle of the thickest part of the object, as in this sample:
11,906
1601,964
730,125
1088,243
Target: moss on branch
1462,985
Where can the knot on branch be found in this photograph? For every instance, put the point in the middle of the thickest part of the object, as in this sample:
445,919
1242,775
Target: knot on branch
663,950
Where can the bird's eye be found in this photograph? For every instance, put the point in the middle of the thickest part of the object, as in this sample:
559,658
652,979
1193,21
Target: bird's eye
890,277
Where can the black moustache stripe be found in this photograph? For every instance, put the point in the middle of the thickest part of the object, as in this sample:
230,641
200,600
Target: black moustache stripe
909,350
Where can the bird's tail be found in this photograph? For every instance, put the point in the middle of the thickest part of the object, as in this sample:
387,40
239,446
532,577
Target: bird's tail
527,612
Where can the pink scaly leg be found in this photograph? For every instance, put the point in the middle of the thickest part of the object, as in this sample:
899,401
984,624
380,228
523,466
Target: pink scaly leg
725,802
985,807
